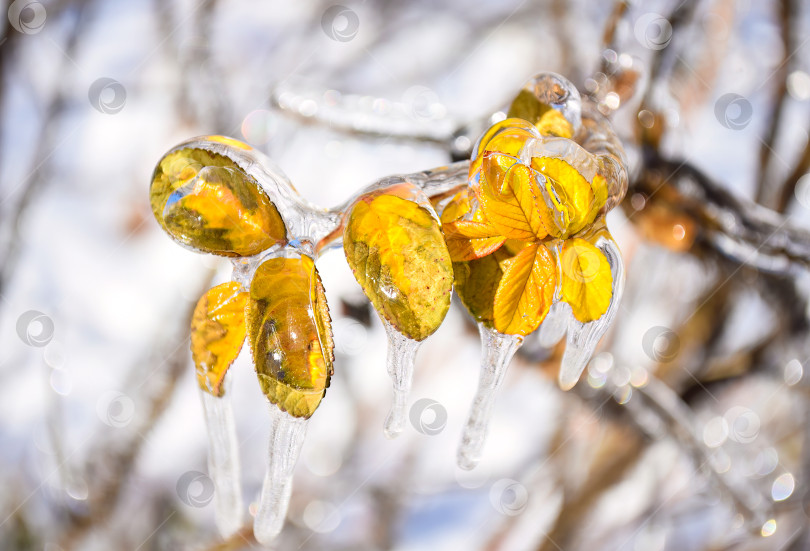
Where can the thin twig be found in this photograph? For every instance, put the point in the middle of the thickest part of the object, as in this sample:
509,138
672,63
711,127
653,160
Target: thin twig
776,107
37,179
788,188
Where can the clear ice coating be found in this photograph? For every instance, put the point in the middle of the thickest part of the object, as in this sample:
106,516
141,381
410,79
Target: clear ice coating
497,352
558,92
223,461
400,361
555,325
311,230
286,438
583,337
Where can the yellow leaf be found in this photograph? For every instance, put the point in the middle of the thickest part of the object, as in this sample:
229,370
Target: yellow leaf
397,253
457,207
217,334
587,283
600,191
507,137
476,282
206,201
554,123
568,194
467,240
290,334
526,291
527,106
516,209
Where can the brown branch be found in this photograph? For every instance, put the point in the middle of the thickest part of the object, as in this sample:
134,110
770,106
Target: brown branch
739,230
620,8
239,540
789,187
618,452
774,115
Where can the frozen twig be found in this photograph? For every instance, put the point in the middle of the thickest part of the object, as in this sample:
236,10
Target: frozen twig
737,229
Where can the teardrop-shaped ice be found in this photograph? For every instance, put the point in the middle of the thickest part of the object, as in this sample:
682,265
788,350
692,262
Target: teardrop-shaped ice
286,438
583,337
548,90
555,325
223,461
497,351
400,361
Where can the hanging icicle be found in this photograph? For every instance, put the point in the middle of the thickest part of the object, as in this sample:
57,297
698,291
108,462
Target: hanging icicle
497,350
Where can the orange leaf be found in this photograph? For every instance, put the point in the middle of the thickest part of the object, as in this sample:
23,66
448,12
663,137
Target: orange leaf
526,291
515,206
468,240
457,207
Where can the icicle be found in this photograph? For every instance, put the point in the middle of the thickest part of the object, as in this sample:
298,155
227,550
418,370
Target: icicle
400,360
286,438
497,352
223,461
583,337
554,326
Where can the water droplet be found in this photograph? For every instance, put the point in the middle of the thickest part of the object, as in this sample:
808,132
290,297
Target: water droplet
321,516
783,487
258,127
766,461
54,355
798,85
715,432
793,372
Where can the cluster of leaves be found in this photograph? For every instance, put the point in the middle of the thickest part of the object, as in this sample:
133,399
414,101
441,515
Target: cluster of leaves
522,233
525,234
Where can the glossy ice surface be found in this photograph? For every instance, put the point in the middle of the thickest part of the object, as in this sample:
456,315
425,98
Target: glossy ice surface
206,201
395,248
289,332
217,334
